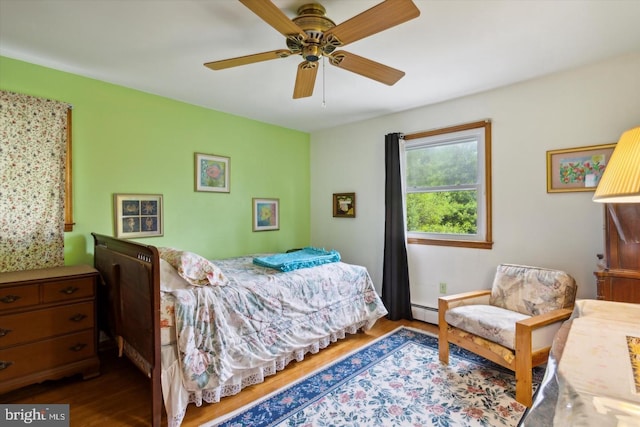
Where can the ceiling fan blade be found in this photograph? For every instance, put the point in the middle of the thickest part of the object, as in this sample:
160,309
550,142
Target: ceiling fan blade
305,79
249,59
273,16
379,18
366,67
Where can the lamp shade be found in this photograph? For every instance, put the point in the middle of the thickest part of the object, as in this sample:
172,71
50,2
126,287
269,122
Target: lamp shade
620,182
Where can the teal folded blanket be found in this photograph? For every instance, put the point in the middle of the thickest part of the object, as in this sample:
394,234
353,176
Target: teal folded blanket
304,258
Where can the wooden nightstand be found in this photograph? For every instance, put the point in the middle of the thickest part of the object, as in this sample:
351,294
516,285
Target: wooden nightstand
47,325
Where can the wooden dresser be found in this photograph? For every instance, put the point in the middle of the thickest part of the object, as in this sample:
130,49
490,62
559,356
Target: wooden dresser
47,325
620,279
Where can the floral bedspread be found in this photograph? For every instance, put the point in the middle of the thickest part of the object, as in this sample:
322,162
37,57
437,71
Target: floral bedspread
263,313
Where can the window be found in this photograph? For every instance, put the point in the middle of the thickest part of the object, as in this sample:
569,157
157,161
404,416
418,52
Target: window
447,177
68,193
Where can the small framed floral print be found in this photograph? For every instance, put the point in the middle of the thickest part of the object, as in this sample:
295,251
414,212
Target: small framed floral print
577,169
344,205
212,173
266,214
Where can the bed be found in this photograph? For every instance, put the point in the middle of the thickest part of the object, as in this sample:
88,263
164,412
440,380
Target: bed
202,330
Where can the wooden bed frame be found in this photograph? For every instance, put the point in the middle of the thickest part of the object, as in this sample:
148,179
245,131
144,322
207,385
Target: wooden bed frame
129,299
129,307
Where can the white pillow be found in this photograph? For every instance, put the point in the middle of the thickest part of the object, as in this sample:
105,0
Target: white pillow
170,280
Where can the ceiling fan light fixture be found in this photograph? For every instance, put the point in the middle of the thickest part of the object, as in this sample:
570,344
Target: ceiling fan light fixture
311,53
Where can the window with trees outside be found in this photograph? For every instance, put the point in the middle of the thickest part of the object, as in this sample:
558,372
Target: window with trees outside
447,178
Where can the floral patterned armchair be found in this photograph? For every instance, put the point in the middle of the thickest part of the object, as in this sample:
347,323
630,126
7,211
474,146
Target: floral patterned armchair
512,324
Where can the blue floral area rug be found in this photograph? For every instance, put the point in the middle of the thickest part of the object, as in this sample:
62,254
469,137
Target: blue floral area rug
396,380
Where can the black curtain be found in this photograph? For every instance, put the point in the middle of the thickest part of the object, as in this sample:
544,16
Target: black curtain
395,275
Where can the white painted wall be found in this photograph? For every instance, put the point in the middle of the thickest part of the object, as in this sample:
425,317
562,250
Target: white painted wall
587,106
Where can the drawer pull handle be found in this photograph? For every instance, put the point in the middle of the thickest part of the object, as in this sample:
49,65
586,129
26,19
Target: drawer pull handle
9,299
4,332
77,347
77,317
4,364
69,290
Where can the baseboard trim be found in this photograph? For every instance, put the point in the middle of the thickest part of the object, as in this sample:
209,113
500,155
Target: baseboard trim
424,313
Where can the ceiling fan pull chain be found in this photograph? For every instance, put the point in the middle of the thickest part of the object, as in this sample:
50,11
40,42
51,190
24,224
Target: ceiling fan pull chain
324,102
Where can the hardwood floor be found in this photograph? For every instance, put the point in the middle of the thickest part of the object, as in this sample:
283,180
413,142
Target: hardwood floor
120,395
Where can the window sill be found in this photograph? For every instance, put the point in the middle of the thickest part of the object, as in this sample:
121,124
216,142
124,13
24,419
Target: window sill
453,243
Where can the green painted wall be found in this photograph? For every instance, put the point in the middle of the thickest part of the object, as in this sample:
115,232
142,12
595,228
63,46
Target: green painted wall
126,141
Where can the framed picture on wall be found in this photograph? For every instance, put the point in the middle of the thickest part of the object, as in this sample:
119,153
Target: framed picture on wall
265,214
138,215
212,173
577,169
344,205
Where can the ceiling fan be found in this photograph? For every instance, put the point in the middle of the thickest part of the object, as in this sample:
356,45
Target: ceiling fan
312,35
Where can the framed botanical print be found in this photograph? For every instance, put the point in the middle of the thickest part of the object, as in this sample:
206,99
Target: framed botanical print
577,169
266,214
212,173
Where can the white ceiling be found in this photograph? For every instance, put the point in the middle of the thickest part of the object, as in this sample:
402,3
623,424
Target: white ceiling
454,48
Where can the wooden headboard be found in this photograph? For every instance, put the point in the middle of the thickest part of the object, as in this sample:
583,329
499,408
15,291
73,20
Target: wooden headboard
130,293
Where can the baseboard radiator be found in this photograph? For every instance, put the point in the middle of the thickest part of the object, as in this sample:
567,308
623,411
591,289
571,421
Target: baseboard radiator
424,314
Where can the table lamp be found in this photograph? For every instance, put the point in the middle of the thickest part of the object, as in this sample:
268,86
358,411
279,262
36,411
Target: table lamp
619,186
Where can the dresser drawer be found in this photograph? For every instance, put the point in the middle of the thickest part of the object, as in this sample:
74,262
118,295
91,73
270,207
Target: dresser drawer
18,296
31,358
38,324
67,289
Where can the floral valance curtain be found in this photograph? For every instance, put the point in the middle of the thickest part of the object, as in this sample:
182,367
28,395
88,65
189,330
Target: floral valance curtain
33,135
